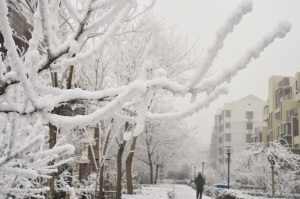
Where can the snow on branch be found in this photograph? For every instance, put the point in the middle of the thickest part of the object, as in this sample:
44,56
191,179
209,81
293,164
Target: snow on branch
209,84
195,107
136,88
212,52
13,56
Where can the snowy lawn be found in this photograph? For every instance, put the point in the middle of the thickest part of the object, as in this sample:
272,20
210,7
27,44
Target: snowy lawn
152,191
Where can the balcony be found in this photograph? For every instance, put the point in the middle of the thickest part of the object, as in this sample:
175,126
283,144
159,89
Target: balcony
286,141
284,82
286,135
258,129
296,132
287,97
291,113
297,97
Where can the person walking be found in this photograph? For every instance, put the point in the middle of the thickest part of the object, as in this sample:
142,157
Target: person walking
199,182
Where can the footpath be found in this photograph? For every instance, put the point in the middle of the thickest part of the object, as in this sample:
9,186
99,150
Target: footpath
186,192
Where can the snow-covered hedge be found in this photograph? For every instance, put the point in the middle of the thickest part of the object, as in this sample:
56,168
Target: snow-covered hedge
237,194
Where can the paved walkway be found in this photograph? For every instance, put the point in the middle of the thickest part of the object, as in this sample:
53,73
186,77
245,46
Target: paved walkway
186,192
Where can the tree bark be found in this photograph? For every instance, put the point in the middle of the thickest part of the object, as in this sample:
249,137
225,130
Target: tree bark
101,179
52,142
151,167
161,171
156,173
129,167
101,182
69,82
119,169
119,163
273,183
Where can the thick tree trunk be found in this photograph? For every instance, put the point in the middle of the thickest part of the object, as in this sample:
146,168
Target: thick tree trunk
101,182
52,142
119,163
273,183
119,169
129,167
101,179
161,171
156,173
151,167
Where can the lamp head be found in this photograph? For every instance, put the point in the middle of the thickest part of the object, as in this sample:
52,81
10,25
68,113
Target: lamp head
228,150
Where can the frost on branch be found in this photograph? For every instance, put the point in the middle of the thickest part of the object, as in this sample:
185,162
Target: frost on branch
24,163
257,161
106,58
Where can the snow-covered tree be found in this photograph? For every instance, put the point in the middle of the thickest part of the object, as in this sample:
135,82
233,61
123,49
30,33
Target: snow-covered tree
272,163
35,84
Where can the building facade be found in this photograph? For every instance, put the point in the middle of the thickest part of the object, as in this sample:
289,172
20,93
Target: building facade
282,112
234,126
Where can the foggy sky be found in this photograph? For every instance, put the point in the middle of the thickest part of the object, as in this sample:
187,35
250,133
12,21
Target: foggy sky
202,17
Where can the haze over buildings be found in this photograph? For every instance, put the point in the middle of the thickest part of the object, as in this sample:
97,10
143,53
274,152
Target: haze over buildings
201,22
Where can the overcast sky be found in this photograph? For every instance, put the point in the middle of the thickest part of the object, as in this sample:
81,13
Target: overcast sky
202,17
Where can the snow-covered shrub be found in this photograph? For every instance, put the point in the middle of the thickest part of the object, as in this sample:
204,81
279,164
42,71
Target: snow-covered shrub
87,188
255,164
212,176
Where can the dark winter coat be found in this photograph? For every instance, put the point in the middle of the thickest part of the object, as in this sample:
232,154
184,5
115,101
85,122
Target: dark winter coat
199,181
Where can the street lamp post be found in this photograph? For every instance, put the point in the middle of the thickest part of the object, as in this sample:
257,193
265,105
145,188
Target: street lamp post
228,151
203,168
194,171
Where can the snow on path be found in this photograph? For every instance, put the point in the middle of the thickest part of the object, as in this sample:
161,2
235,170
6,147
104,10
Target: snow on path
186,192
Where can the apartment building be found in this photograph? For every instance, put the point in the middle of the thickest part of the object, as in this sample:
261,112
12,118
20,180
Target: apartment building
234,126
281,111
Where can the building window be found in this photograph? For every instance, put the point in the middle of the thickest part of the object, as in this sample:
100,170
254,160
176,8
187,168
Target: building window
278,94
287,128
297,146
228,125
249,138
227,137
249,114
221,151
220,118
249,125
220,140
227,113
277,116
279,131
220,128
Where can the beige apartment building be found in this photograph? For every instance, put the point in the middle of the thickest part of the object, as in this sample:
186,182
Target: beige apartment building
281,112
234,126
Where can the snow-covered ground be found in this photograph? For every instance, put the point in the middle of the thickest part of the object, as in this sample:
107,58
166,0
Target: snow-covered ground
152,192
162,191
186,192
